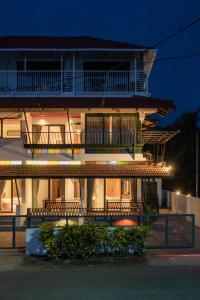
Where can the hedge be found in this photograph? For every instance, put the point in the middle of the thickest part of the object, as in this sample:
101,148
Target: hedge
89,240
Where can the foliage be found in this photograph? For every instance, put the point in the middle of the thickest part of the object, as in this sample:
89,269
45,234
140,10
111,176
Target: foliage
88,240
148,210
181,152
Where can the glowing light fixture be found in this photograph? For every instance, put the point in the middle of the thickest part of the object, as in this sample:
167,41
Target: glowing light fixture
188,195
113,162
16,162
42,122
177,192
74,162
52,162
36,162
10,162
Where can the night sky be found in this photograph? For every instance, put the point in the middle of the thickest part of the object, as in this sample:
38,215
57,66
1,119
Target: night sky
142,21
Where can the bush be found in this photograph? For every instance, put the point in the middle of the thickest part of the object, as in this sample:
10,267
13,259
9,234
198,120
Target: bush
88,240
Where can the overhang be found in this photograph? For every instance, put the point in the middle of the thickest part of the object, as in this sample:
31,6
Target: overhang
135,102
68,43
85,171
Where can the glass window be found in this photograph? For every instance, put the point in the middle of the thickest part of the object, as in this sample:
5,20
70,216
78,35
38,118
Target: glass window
113,189
11,128
5,196
40,192
126,189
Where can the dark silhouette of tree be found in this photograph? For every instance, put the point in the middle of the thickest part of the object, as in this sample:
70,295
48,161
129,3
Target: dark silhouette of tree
181,153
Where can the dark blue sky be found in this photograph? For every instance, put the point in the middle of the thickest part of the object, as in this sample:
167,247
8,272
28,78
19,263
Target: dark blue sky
142,21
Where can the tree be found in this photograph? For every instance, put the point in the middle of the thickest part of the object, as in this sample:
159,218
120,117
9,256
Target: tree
181,153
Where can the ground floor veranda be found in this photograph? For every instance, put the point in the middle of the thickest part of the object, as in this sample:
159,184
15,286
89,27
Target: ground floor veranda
71,195
84,188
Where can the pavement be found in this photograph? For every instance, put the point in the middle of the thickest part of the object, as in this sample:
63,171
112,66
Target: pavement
163,276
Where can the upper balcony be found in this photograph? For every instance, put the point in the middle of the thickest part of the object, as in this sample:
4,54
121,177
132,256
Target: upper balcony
73,66
73,83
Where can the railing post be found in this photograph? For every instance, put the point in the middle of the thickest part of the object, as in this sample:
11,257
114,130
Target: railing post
166,231
193,231
73,74
135,69
13,231
61,63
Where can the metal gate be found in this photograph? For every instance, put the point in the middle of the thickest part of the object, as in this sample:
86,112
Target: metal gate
166,231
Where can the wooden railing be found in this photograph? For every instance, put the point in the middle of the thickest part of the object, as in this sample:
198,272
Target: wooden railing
70,208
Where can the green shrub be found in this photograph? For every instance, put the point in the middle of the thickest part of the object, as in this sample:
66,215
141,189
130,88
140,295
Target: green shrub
88,240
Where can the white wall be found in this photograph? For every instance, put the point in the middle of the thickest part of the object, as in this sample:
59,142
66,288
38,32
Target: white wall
183,204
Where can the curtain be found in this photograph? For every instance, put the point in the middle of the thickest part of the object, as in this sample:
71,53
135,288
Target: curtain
36,183
2,186
134,189
90,190
18,186
37,130
81,187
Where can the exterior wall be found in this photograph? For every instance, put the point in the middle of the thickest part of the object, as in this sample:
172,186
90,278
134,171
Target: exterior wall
183,204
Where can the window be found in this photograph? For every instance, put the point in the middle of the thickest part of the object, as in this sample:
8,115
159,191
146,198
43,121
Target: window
10,128
114,130
10,194
48,134
39,65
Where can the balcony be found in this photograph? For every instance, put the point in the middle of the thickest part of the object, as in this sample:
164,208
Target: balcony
95,139
73,83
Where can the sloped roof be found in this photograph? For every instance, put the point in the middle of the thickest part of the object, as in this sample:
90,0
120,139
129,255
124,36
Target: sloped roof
84,171
63,42
87,102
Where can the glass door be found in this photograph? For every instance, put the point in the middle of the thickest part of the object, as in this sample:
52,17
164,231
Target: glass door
40,192
57,189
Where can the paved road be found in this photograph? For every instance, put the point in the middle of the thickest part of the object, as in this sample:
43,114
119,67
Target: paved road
139,282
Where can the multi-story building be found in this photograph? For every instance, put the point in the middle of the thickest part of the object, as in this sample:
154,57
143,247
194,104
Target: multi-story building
74,124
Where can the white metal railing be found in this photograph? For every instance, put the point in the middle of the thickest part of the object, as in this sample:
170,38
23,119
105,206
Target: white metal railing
73,82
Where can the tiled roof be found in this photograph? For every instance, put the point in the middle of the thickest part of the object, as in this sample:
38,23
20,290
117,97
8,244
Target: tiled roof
63,42
87,102
87,170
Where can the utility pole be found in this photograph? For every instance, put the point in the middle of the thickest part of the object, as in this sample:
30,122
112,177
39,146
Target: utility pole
197,161
197,153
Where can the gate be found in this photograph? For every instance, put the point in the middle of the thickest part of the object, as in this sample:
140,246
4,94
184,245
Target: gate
166,231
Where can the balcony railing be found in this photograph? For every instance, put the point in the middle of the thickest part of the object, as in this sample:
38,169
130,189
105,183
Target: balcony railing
65,208
78,139
23,83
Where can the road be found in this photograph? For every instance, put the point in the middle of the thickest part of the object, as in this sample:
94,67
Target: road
100,282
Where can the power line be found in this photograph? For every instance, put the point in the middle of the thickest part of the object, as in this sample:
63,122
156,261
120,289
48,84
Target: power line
164,40
170,36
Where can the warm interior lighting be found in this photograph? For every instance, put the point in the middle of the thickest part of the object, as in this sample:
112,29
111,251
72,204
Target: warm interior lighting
177,192
188,195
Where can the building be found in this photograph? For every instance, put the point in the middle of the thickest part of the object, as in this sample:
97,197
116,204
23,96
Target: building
75,118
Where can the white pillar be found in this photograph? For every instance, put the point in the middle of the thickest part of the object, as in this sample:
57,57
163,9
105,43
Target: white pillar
139,189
